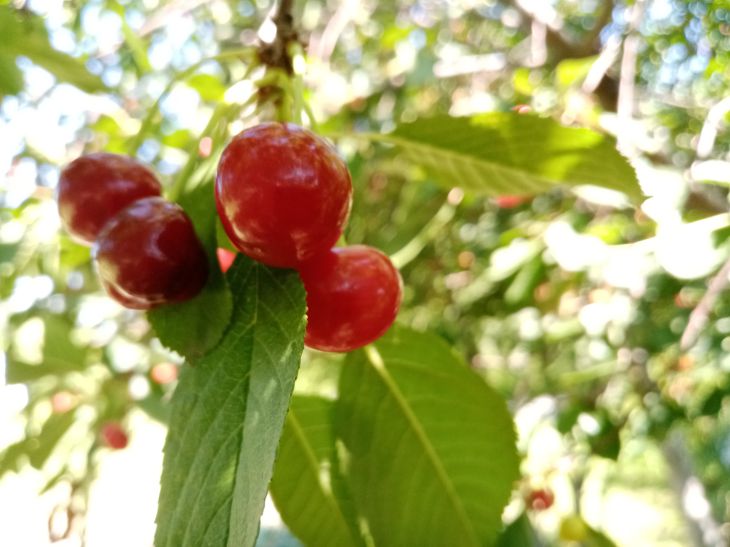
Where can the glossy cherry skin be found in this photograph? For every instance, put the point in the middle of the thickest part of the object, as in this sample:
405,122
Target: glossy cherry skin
149,255
283,194
114,436
353,296
94,188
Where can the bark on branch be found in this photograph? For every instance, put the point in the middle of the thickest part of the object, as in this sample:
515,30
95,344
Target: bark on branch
276,54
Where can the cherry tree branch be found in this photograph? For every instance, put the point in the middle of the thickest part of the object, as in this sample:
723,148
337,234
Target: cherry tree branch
276,54
627,80
698,317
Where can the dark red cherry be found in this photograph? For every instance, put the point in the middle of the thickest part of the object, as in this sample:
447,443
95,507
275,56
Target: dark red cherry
283,194
353,296
149,255
113,436
94,188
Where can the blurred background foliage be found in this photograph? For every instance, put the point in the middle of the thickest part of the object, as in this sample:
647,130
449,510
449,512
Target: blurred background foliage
604,322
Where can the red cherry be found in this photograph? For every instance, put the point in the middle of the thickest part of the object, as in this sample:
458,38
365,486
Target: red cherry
283,194
353,296
510,202
114,436
540,499
225,258
94,188
149,255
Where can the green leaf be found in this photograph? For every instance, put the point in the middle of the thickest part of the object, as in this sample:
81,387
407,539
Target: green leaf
10,458
60,355
41,447
428,448
573,71
178,139
208,87
25,34
11,79
596,538
310,500
192,328
227,414
62,66
519,533
135,43
508,153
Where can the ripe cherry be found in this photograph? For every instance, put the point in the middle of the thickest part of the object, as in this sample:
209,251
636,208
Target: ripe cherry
113,436
283,194
225,258
94,188
149,255
353,296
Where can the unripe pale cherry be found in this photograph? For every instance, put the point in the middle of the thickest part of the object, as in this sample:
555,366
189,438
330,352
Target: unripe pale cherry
283,194
95,187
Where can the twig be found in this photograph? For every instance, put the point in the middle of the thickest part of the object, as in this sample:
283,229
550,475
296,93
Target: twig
698,317
704,531
538,43
557,43
601,65
626,88
714,118
323,45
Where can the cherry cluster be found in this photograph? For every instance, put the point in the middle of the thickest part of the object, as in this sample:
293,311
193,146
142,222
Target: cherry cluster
145,247
284,197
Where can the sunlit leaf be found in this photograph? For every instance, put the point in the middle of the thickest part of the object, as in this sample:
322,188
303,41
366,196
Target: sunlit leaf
428,448
60,355
208,86
308,493
228,412
41,447
504,153
11,79
25,34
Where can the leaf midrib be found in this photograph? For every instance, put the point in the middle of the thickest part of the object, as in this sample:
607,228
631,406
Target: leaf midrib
377,363
314,464
466,157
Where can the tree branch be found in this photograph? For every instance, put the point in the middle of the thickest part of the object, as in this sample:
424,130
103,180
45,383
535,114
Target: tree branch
276,54
557,44
698,317
626,88
704,530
